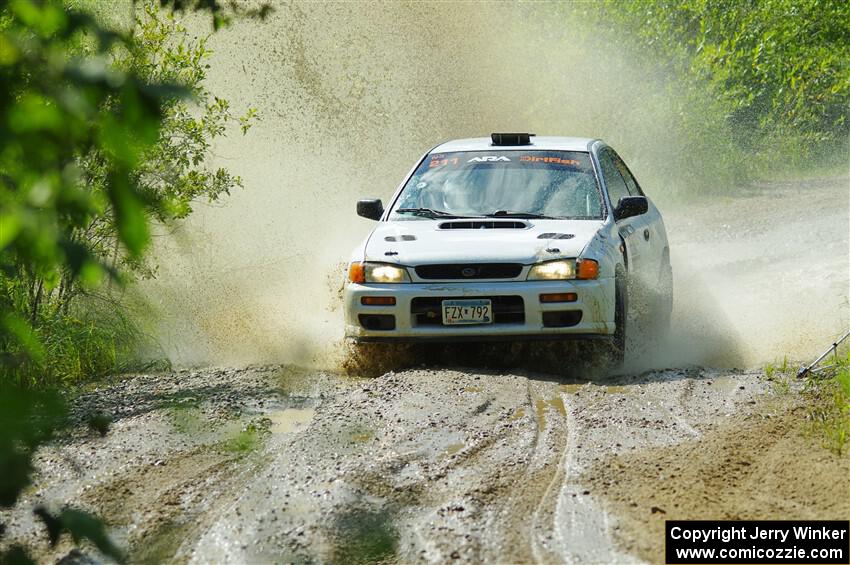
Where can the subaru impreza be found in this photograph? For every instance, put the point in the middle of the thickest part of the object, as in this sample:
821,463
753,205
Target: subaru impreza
510,237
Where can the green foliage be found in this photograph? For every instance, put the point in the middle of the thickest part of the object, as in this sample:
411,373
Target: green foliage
15,555
774,74
101,133
770,371
27,418
135,155
829,404
779,375
89,340
58,111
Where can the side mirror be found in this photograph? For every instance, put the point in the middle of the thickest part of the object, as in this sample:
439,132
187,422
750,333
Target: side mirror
371,208
631,206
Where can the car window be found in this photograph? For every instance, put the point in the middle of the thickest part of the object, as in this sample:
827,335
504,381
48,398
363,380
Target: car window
631,183
558,184
613,180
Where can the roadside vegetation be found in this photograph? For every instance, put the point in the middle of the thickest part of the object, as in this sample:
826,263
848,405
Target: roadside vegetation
68,268
828,396
826,392
102,133
762,88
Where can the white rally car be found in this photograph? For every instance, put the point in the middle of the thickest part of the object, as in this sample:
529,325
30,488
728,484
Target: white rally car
510,237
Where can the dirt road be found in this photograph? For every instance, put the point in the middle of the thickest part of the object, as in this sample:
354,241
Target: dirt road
439,464
430,465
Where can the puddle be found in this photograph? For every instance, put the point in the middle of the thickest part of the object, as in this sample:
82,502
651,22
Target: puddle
619,389
542,405
558,405
541,414
290,420
724,383
162,544
454,448
472,389
186,419
574,388
359,434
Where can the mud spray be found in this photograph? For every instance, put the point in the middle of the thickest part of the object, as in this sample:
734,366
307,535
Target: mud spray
351,95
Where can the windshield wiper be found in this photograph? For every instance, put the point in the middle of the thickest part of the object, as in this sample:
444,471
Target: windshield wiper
521,215
429,213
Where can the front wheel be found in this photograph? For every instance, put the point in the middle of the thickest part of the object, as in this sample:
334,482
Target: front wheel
364,359
614,350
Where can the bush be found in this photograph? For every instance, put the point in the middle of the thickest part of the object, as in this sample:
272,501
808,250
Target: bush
81,181
78,123
773,73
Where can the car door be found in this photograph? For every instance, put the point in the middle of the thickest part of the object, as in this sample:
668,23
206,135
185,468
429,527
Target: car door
649,225
631,229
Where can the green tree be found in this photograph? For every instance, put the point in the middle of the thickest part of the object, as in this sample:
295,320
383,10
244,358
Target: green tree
776,71
87,215
100,134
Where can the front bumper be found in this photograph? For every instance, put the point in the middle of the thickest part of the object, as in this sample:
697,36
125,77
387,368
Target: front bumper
523,316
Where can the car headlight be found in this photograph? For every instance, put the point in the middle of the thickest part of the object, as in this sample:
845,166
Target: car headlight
564,269
377,273
553,271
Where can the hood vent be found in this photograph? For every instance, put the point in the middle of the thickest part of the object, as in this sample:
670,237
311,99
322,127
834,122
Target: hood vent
555,236
483,225
400,238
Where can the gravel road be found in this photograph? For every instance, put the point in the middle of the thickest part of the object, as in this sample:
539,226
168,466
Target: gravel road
445,463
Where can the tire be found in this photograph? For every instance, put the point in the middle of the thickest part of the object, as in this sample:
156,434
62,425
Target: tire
364,359
614,352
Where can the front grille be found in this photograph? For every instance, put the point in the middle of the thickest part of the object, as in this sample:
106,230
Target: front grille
470,271
427,311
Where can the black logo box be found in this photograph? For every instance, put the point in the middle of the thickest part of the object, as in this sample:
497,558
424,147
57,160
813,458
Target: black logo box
801,538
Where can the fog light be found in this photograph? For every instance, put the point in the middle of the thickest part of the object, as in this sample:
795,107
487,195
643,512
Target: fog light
377,321
559,297
377,300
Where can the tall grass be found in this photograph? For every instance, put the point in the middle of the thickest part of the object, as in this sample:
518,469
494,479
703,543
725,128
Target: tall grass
92,339
829,405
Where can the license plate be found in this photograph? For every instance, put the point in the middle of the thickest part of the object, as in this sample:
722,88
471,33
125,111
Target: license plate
459,312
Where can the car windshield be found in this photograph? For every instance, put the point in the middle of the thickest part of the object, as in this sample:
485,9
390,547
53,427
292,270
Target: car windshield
524,184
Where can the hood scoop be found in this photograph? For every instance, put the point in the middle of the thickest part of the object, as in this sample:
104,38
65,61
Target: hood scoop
556,236
483,225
